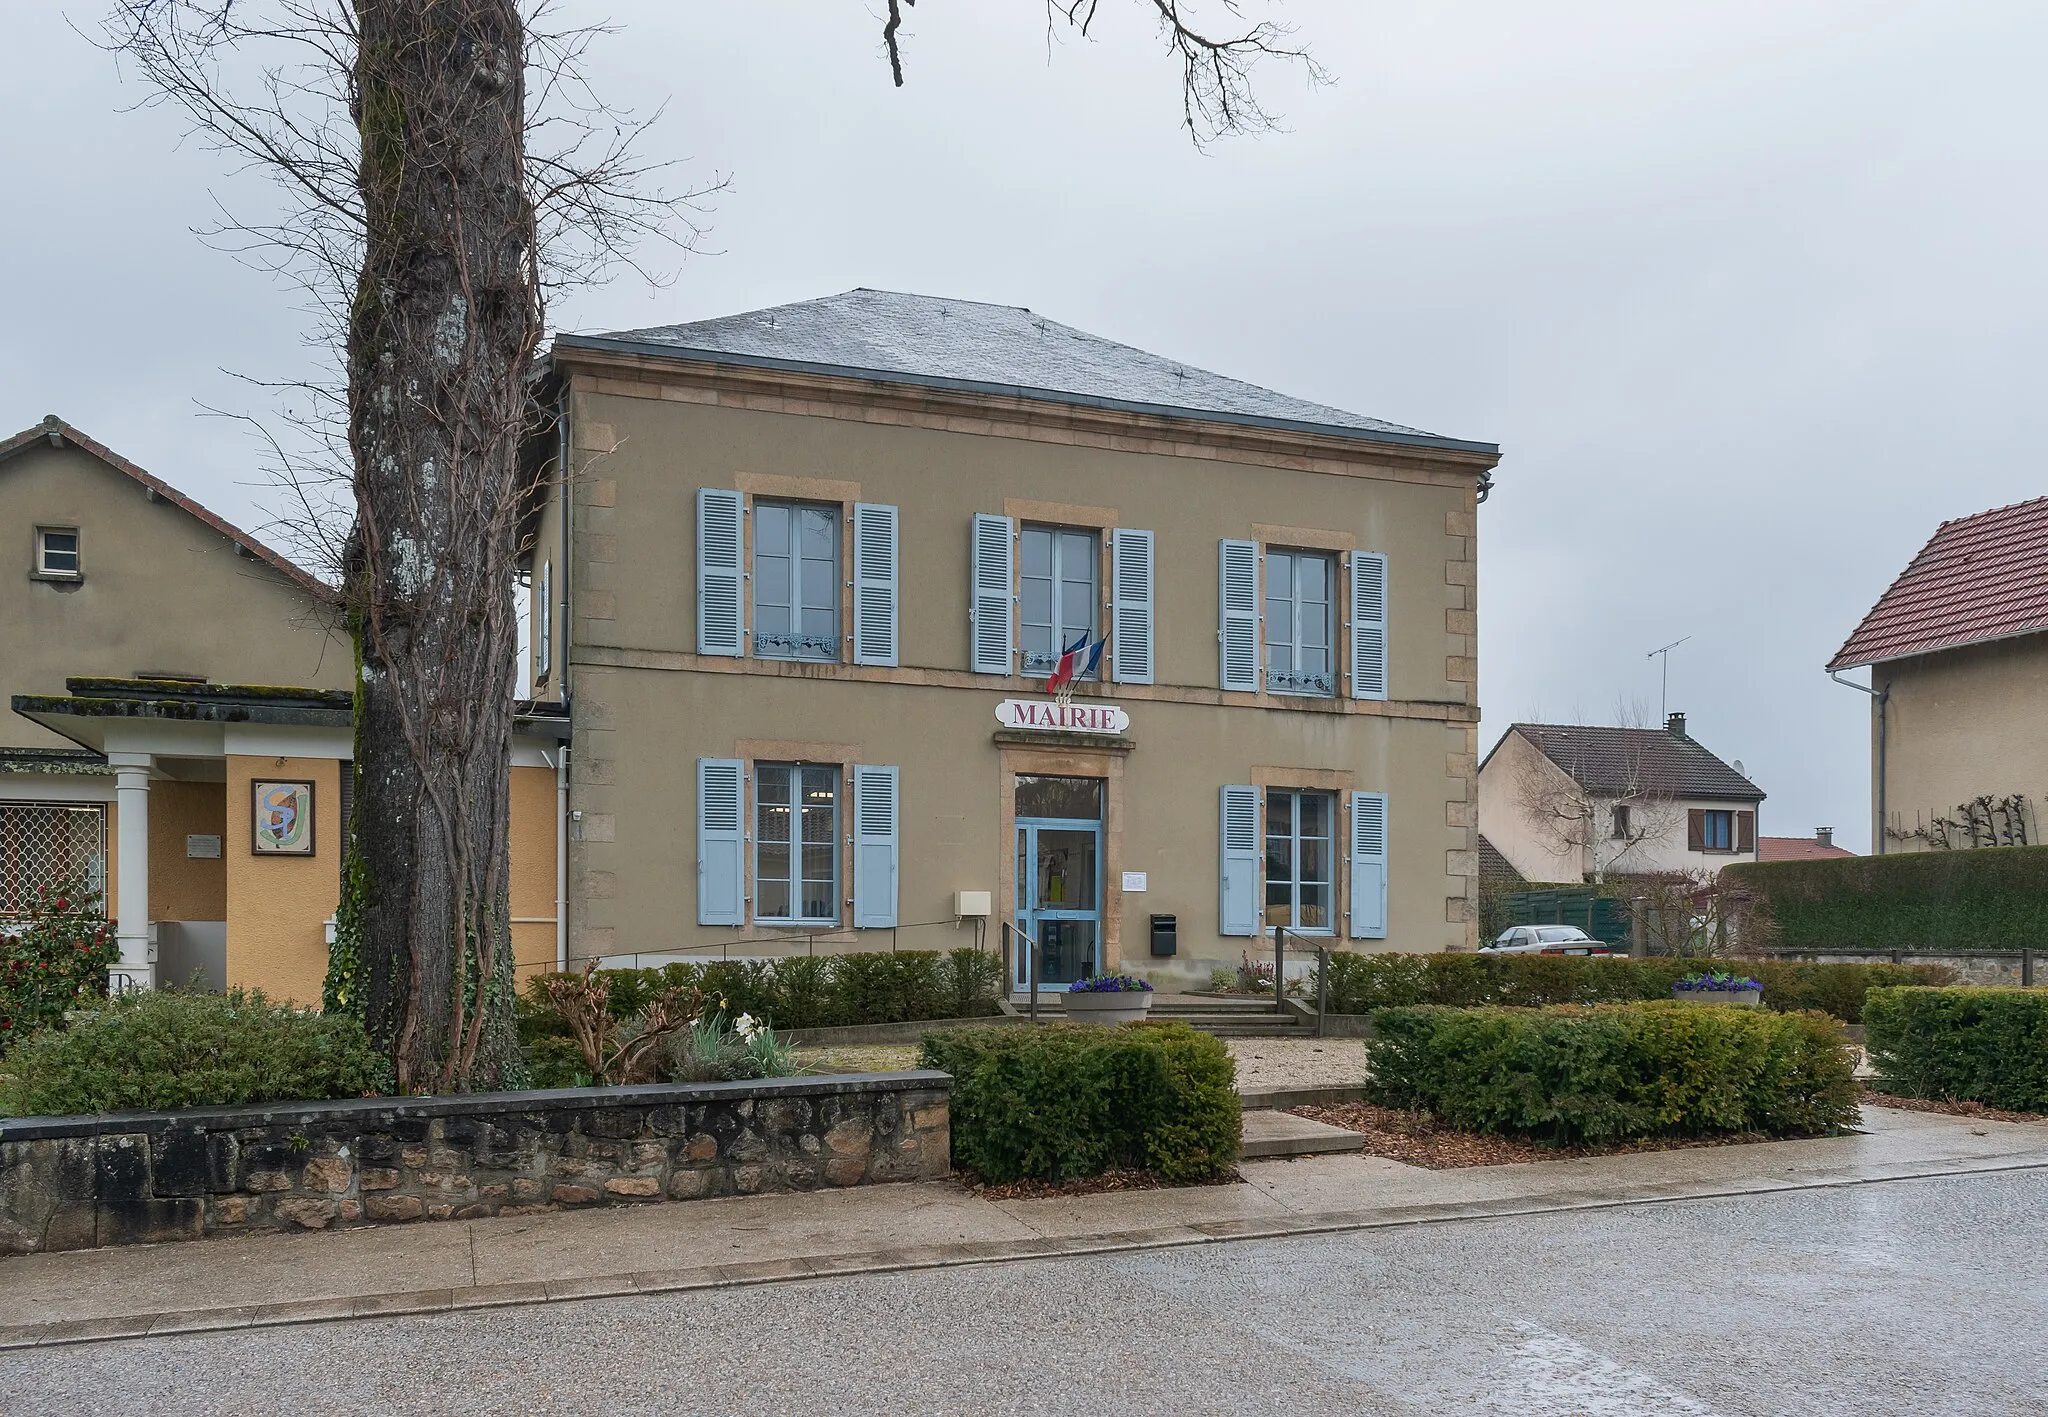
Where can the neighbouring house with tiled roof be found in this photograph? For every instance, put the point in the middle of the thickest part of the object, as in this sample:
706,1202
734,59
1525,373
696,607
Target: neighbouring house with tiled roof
1957,649
1818,847
175,729
1567,802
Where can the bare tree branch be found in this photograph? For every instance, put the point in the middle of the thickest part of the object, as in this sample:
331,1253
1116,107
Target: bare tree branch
1218,95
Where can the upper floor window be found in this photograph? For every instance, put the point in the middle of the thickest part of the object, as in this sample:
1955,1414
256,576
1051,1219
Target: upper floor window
1621,822
1300,623
1300,859
57,551
796,858
1059,573
1713,831
796,581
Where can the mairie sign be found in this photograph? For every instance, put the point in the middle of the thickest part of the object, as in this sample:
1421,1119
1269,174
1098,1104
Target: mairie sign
1051,716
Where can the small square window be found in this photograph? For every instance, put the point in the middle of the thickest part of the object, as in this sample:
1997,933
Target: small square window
57,551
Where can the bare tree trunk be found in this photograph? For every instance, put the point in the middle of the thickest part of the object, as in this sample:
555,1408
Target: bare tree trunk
441,343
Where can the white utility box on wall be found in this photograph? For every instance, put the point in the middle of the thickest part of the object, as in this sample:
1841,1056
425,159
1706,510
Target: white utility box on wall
973,904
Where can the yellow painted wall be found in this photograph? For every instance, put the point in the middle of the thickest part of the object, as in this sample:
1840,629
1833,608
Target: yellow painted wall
1962,724
179,888
533,870
278,905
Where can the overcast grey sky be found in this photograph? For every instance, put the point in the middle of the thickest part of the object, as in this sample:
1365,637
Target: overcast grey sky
1751,292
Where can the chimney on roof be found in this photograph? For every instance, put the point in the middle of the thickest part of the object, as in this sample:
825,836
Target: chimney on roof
1675,724
1824,835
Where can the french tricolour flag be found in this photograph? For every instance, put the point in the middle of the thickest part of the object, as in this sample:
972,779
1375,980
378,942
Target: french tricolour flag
1076,659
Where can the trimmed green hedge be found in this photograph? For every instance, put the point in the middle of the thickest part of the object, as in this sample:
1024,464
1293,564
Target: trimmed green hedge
1059,1102
1361,983
808,991
1993,898
161,1048
1974,1045
1571,1075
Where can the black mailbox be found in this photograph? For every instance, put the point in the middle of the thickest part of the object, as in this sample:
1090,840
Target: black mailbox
1165,935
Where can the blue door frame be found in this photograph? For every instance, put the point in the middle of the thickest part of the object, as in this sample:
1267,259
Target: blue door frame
1058,926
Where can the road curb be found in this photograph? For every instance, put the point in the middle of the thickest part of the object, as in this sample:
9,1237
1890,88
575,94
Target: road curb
901,1259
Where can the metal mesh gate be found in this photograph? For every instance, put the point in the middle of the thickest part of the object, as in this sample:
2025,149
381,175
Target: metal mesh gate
42,843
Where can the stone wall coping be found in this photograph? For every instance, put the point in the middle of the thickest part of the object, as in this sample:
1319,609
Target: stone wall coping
374,1109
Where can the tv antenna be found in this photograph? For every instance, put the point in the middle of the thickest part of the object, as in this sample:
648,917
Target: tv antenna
1664,688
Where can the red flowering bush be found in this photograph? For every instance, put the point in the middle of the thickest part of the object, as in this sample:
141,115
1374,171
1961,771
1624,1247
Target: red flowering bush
52,959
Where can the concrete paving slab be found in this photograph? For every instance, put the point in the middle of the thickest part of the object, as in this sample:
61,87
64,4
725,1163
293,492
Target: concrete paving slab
1268,1134
254,1269
1123,1211
730,1230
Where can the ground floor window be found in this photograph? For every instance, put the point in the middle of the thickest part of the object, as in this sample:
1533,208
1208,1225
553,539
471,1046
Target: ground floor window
42,843
796,833
1300,859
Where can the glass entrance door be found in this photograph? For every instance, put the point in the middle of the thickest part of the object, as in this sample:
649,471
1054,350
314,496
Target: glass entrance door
1059,900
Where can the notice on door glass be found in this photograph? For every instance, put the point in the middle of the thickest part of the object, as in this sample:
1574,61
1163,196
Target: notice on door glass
1134,880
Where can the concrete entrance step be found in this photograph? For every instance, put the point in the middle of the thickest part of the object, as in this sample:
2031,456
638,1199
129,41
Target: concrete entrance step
1275,1134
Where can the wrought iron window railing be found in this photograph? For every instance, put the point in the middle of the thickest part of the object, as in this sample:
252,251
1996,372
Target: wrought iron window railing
797,646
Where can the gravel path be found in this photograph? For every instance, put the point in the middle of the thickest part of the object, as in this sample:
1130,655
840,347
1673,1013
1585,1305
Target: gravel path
1261,1062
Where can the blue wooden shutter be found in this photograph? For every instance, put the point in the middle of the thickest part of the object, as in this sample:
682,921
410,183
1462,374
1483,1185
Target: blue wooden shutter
874,847
1238,629
1130,608
1240,866
874,584
721,582
721,841
1368,865
989,608
1368,625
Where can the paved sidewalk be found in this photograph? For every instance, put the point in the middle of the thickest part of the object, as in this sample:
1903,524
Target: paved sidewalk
281,1279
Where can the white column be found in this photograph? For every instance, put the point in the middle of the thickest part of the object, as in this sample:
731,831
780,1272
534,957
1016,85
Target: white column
137,969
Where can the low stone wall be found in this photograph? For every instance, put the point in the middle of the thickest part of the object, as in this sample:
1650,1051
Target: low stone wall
70,1183
1989,968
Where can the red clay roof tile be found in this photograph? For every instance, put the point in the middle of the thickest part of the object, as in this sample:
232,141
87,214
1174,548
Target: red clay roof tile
1978,578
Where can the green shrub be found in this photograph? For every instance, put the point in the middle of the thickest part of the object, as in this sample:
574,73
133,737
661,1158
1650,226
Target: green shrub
1573,1074
1363,983
55,960
1974,1045
1059,1102
160,1049
806,991
1993,898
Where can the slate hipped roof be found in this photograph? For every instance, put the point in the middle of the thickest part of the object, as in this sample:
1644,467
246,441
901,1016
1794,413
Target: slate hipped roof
1613,762
1978,578
997,349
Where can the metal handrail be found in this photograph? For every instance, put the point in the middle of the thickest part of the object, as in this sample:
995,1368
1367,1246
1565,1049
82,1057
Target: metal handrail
1280,970
1030,960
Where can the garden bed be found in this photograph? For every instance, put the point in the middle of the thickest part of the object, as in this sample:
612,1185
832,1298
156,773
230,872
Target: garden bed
1952,1108
1417,1139
1119,1179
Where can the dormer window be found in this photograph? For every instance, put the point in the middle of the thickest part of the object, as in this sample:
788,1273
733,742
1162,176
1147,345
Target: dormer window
57,552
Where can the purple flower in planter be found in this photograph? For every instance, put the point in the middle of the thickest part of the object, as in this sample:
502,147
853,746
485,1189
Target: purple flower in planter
1110,984
1717,982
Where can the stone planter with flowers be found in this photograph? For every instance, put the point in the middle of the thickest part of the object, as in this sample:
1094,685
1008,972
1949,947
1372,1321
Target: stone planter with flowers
1109,998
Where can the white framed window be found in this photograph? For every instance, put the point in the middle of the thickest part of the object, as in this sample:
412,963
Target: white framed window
1301,623
57,551
796,581
796,841
1301,860
1059,574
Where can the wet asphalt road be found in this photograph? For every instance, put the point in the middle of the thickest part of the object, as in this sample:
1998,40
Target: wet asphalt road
1911,1297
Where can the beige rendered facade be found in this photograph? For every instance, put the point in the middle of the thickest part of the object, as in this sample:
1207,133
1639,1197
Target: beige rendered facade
913,792
144,669
1960,726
